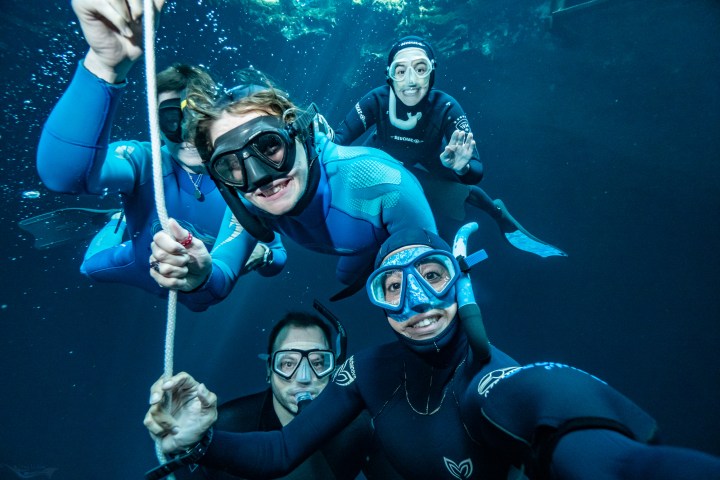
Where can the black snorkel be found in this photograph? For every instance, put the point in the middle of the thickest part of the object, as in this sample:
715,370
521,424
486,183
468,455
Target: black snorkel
303,399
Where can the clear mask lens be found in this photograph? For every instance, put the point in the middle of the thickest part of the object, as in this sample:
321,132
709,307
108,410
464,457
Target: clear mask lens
400,70
229,169
434,272
271,147
286,362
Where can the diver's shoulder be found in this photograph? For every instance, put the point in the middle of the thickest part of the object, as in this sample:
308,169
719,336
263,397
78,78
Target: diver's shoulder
439,97
349,155
379,353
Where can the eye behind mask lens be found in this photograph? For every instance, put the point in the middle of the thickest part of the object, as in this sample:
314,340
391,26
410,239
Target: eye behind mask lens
270,146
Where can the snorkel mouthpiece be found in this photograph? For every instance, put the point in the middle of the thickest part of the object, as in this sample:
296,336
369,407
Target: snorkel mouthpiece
303,399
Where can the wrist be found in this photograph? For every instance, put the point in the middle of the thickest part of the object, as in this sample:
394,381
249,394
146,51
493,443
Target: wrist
111,74
202,284
190,456
464,169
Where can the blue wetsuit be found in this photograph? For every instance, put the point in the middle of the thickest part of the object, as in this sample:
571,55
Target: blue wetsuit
440,414
356,198
74,157
420,146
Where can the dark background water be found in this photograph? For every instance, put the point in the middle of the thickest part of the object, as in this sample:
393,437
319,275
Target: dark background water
602,134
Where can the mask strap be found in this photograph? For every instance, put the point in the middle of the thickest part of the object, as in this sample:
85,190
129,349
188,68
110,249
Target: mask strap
303,122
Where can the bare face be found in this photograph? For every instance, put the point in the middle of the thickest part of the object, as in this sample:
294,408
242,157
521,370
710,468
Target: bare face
304,379
411,62
280,196
430,322
185,153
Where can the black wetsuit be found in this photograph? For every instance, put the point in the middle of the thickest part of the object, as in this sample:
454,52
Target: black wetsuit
439,414
423,144
343,457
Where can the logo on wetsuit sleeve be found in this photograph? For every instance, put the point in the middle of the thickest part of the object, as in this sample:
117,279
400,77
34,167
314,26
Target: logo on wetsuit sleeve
361,115
462,124
490,379
462,470
345,375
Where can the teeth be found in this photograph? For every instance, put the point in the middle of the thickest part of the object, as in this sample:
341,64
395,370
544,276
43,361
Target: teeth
425,323
272,190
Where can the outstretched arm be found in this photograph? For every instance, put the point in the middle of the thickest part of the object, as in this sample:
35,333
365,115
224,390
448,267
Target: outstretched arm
74,142
113,30
189,411
206,278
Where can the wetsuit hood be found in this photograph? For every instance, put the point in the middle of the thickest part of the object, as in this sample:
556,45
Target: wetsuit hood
413,41
313,181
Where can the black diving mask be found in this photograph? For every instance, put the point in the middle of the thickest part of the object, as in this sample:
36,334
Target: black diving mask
170,117
254,154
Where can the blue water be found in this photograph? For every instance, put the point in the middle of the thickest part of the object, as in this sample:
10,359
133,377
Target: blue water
601,134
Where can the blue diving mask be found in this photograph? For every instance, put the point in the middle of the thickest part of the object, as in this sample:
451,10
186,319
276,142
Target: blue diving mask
413,281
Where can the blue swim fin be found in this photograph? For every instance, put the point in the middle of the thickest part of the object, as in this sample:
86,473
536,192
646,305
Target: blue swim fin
520,238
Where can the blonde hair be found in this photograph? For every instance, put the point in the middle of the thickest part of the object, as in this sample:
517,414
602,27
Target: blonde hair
207,109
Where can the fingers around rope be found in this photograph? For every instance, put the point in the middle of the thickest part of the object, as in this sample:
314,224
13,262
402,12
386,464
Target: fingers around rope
114,12
207,398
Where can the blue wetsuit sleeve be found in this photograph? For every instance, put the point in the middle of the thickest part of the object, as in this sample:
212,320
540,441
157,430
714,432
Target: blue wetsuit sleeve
273,454
74,141
232,249
358,120
458,121
410,209
279,258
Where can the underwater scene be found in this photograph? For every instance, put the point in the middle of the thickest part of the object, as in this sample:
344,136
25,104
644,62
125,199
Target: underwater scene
597,123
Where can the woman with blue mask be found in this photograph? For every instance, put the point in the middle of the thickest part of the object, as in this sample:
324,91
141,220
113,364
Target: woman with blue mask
445,403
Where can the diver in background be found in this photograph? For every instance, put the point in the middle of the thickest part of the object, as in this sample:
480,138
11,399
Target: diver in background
303,351
418,125
74,157
445,403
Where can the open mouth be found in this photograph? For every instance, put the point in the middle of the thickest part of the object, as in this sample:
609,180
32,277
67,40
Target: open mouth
274,188
425,322
411,91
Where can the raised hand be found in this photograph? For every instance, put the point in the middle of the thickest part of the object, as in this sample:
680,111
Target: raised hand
458,151
113,30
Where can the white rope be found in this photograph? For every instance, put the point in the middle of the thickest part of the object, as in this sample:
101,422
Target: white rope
149,47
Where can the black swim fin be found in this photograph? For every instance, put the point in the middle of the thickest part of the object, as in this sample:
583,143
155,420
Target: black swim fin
66,225
520,238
